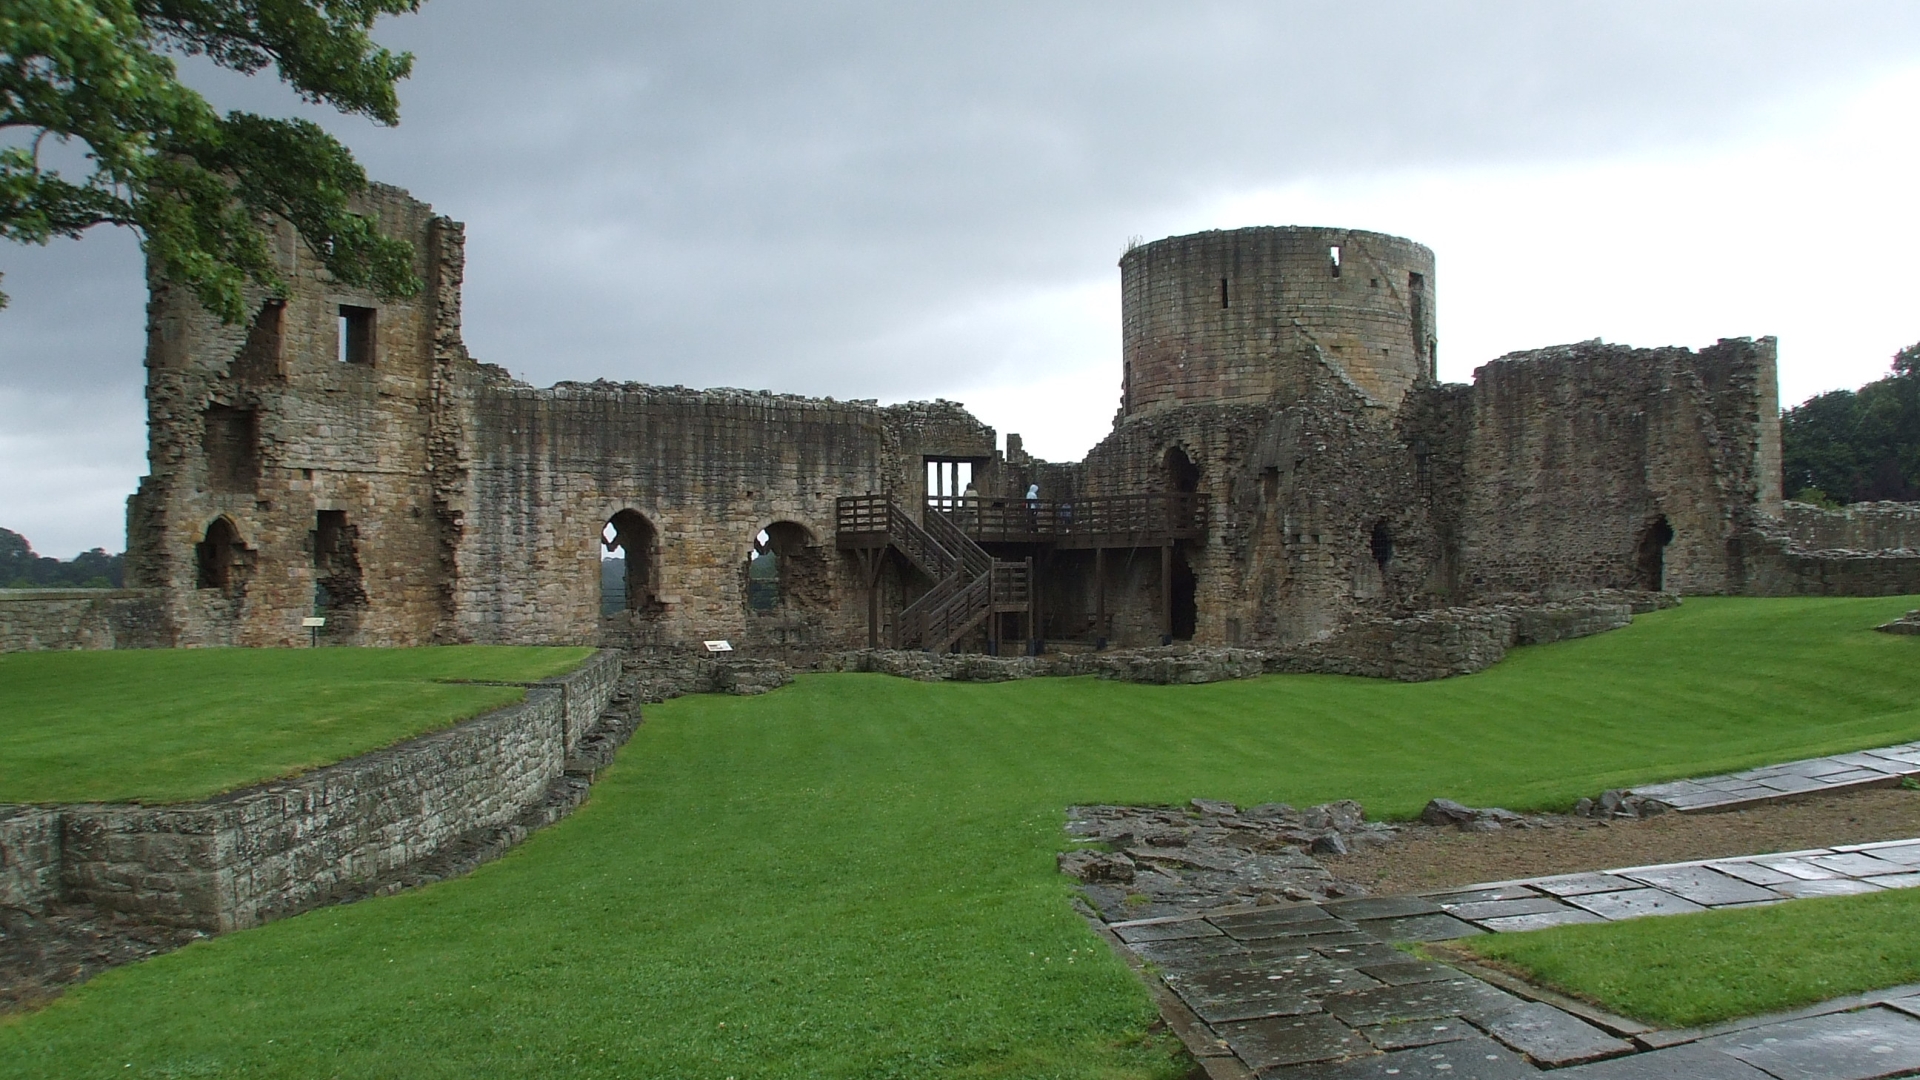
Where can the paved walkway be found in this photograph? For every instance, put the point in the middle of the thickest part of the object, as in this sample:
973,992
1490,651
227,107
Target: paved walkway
1868,768
1316,991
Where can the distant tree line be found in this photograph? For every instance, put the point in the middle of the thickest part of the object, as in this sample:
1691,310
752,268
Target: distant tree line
20,568
1857,445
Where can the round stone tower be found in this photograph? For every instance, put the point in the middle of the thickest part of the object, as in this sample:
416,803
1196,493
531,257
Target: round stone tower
1244,316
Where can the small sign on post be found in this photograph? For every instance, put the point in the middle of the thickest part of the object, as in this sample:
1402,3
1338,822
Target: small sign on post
313,624
718,646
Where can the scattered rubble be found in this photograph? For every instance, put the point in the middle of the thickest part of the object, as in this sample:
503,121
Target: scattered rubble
1905,624
1159,860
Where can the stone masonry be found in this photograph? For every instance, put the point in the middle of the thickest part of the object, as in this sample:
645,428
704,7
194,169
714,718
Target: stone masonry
241,859
344,456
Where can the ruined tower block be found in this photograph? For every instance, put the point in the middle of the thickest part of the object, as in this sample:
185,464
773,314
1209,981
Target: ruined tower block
1245,316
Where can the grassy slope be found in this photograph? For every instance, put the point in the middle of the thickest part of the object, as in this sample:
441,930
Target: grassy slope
854,876
1697,969
178,724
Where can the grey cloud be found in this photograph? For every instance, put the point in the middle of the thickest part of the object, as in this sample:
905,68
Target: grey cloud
756,194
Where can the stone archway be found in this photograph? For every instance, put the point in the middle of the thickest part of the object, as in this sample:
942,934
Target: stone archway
1650,555
629,564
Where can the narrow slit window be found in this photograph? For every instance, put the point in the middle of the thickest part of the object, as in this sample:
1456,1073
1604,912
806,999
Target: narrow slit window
356,334
1223,292
1333,260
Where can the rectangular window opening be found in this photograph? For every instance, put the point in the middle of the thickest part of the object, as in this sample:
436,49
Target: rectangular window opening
356,334
1223,292
948,478
1333,260
230,440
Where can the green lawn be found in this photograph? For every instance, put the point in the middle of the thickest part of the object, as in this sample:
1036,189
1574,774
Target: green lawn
171,725
853,876
1688,970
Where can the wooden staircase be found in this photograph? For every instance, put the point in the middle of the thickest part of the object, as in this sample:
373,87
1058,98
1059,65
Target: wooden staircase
969,584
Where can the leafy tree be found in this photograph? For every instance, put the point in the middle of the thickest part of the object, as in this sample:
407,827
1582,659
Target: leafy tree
195,185
20,568
1858,445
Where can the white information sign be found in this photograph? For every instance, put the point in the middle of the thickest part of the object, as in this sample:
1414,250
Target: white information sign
310,621
718,646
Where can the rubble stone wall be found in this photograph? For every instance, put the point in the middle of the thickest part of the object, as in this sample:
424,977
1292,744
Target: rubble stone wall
708,470
1876,526
38,619
1576,455
265,427
273,850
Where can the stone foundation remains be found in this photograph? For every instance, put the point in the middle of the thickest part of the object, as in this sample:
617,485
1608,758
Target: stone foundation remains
338,832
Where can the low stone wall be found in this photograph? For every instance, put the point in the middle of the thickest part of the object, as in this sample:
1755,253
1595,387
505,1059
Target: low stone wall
1832,573
1418,648
33,620
1874,526
283,847
29,856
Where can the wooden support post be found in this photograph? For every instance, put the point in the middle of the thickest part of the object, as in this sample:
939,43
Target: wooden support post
1033,607
1166,595
871,559
1099,598
993,617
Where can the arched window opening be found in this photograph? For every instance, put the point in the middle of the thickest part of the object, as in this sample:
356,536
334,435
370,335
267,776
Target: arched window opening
627,563
1651,556
1183,475
785,569
221,559
1382,544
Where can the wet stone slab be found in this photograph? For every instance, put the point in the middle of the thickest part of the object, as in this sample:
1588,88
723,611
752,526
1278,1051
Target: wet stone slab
1466,997
1419,1033
1690,1062
1165,931
1802,890
1701,885
1435,927
1380,907
1552,1038
1473,1058
1407,972
1863,1045
1291,1040
1518,923
1493,909
1583,884
1245,993
1634,904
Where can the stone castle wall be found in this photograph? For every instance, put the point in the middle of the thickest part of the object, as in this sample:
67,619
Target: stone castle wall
431,498
1597,466
37,619
271,851
708,471
1241,316
1877,526
265,443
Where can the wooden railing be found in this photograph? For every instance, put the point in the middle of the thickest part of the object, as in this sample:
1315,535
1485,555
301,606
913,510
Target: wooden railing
1117,520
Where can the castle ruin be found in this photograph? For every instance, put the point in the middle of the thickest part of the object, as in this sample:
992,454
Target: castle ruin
1283,462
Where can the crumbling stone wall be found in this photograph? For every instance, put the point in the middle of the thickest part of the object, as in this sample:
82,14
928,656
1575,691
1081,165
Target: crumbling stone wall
709,470
37,619
1577,456
1875,526
256,432
426,497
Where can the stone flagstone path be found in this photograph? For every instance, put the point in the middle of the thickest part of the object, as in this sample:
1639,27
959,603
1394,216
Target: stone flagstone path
1316,991
1868,768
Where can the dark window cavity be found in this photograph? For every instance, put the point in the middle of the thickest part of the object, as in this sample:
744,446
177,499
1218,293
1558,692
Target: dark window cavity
230,439
356,334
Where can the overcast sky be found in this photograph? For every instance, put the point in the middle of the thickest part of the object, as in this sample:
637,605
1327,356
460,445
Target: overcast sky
902,201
